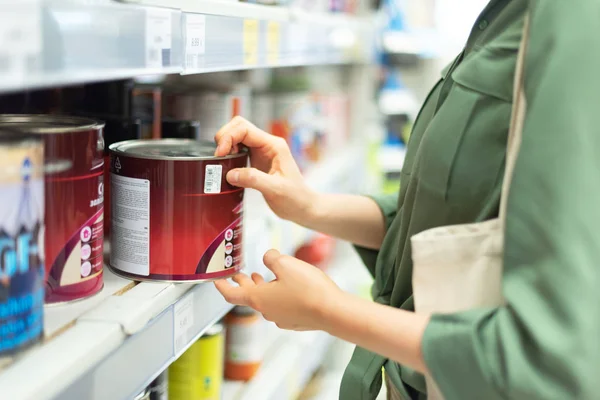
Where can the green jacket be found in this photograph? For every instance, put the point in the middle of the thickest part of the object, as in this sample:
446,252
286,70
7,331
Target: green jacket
545,343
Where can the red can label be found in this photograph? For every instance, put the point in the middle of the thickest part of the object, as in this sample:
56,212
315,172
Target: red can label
75,261
175,220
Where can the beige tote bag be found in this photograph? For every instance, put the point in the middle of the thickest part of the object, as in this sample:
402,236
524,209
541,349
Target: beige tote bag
459,267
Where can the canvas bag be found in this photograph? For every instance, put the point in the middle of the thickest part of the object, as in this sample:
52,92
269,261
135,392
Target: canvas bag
459,267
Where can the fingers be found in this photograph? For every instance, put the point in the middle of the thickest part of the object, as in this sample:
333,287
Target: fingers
258,279
252,178
271,259
237,131
243,279
234,295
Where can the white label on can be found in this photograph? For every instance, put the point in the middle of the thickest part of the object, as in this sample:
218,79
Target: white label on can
212,179
245,341
130,224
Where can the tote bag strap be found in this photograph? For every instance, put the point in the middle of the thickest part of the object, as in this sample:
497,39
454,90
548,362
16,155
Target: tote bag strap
515,131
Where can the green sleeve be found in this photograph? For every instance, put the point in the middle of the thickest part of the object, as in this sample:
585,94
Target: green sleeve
545,343
388,204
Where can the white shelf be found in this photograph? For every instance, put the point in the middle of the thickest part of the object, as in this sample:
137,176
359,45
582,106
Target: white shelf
69,41
132,332
424,43
222,8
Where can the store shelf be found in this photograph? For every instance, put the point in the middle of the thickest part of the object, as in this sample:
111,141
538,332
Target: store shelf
56,42
45,43
141,331
424,43
142,327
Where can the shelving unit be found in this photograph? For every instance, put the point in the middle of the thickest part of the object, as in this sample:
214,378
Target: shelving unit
138,327
67,42
141,328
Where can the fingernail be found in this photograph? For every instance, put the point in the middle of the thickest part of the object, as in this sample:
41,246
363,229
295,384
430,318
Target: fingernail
218,150
233,177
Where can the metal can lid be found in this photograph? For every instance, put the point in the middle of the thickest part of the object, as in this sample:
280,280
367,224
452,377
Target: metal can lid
48,124
170,149
143,395
214,330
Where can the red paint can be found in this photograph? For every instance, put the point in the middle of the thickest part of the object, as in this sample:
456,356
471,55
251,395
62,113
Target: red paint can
174,215
74,202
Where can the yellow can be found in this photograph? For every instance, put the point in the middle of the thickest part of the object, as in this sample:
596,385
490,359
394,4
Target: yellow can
198,373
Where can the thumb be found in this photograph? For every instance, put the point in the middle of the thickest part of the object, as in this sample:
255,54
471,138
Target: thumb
272,259
251,178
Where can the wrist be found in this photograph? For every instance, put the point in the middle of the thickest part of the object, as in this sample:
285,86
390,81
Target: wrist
311,210
331,313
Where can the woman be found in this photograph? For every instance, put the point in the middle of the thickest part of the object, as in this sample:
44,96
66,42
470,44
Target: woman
544,343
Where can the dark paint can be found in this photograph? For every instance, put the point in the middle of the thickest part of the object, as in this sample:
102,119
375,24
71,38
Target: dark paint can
21,241
159,388
74,202
174,215
174,129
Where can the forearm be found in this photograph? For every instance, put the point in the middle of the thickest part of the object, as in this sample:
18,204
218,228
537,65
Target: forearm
357,219
394,333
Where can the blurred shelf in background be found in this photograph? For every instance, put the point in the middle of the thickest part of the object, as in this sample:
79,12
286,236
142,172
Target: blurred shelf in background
59,42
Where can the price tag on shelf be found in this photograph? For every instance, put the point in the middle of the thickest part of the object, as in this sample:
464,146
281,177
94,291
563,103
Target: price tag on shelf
250,42
183,320
20,38
195,39
158,37
273,40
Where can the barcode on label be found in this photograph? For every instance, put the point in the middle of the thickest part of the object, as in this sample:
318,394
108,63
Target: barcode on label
158,37
212,179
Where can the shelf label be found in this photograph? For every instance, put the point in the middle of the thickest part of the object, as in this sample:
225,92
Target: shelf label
20,38
195,39
250,42
273,40
158,37
183,320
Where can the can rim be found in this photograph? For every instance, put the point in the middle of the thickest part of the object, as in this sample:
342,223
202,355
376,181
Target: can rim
121,148
216,329
71,124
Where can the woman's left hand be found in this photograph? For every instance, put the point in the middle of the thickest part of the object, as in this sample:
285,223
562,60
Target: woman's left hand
300,298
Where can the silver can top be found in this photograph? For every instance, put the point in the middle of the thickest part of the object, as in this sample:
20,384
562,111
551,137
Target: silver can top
170,149
215,329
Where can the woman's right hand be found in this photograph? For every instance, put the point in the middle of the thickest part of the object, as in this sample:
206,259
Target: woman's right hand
273,170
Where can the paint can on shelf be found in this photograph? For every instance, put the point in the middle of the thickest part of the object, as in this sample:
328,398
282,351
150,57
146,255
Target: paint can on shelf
198,373
74,202
174,215
21,241
175,129
143,395
244,343
159,388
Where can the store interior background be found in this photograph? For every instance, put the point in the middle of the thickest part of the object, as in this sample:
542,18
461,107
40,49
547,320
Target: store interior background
347,125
